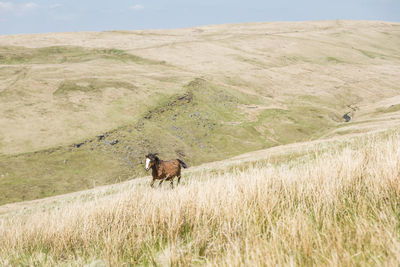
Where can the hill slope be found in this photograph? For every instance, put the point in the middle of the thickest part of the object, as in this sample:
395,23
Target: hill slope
332,202
81,109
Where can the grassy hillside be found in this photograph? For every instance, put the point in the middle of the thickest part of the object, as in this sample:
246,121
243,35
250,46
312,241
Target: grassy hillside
78,110
336,203
202,124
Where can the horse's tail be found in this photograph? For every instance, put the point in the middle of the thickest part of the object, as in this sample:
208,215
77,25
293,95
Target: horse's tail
183,164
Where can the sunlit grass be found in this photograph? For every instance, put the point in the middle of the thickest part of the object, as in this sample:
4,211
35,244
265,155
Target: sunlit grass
334,206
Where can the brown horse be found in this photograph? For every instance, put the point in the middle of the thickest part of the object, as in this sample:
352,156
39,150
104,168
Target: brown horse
164,170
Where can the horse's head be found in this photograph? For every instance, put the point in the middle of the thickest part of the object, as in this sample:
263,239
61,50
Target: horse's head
151,160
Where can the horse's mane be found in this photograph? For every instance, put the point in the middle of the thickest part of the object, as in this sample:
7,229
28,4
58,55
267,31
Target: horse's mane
156,158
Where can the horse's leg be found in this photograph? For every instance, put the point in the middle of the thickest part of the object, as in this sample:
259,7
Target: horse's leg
162,180
172,183
166,178
152,183
179,178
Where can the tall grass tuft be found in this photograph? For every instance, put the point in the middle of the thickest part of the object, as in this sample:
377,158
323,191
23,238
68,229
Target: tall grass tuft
339,207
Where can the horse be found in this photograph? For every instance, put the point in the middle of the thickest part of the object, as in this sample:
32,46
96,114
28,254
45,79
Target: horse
164,170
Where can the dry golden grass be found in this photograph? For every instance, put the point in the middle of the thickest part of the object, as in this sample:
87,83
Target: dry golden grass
337,205
339,62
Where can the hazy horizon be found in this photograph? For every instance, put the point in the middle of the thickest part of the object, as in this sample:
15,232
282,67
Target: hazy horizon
43,16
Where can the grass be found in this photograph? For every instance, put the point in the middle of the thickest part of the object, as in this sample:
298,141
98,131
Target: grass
66,54
256,91
252,61
90,85
307,117
201,124
57,171
392,108
335,206
334,60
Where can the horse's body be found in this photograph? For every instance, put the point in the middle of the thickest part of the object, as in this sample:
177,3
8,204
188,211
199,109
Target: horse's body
164,170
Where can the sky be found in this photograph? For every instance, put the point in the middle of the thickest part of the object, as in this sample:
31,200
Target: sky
42,16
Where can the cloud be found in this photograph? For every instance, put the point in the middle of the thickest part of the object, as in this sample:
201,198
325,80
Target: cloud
28,6
136,7
54,6
6,6
17,8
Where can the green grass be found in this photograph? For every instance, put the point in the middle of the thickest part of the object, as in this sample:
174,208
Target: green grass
252,61
392,108
334,60
201,124
368,54
375,55
89,85
52,172
306,118
66,54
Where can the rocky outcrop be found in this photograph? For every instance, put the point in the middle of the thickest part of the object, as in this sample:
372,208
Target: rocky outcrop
347,117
